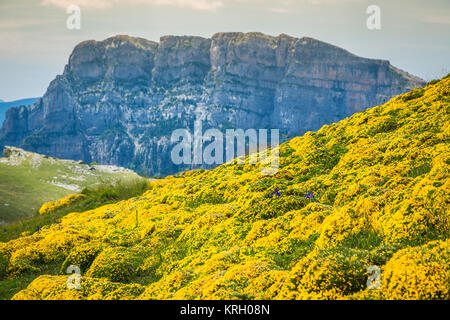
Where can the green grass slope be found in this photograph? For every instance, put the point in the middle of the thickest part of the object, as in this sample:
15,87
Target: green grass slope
27,180
381,198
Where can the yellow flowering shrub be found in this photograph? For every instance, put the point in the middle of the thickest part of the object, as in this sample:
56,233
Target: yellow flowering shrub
267,285
55,288
337,227
118,264
419,273
327,274
168,285
82,256
46,247
306,222
380,185
233,283
53,205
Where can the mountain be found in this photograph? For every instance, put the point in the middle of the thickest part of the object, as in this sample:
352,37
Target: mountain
377,185
119,100
6,105
27,180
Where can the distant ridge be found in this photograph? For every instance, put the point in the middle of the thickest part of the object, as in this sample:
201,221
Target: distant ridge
16,103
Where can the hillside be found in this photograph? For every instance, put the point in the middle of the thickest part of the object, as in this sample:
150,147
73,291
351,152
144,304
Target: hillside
27,180
119,100
381,197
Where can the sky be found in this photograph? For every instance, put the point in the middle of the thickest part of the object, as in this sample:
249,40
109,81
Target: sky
35,43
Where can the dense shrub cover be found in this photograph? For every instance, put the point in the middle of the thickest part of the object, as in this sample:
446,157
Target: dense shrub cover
381,197
53,205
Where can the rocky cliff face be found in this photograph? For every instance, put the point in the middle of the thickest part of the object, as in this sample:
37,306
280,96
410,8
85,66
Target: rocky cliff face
119,100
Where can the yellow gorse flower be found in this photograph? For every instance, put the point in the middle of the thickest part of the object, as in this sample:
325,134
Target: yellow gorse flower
381,187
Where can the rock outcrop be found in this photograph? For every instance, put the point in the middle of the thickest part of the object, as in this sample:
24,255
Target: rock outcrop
119,100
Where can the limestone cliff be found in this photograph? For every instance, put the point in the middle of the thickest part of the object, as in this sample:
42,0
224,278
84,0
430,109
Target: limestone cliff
119,100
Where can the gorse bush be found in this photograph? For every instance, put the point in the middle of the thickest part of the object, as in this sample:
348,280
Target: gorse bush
82,256
328,274
414,94
419,272
118,264
372,189
64,202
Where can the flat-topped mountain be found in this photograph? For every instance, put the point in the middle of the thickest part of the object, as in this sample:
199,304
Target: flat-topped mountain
119,100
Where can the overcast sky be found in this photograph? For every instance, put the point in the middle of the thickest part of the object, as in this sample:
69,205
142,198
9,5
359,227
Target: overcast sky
35,43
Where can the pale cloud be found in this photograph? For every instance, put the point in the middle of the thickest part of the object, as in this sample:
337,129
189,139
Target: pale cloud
195,4
91,4
102,4
436,19
278,10
21,23
208,5
332,2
